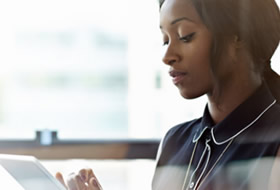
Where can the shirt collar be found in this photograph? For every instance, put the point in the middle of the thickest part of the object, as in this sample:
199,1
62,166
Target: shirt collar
205,125
243,117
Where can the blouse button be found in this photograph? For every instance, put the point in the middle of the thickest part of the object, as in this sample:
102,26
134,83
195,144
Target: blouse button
191,185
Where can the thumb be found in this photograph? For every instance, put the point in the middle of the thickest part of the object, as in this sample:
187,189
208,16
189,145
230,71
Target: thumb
60,178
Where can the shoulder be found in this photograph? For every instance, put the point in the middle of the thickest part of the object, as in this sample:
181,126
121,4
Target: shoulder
267,128
272,124
175,138
182,127
180,132
273,115
276,108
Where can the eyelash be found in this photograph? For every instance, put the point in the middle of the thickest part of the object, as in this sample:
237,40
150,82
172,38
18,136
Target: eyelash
186,39
165,43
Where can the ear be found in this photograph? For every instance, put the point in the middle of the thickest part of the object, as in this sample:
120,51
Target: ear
237,42
235,46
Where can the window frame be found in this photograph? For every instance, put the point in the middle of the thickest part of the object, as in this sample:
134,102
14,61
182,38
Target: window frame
81,149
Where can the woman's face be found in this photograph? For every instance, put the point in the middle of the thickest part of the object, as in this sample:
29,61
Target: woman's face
188,43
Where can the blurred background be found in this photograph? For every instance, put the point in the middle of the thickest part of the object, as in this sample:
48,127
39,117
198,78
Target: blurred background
88,70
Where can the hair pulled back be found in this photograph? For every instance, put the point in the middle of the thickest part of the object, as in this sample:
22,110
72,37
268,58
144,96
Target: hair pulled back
256,23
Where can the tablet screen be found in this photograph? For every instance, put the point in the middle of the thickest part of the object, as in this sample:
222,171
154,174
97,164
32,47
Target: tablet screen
29,173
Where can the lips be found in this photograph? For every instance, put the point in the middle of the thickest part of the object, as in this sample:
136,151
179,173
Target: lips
177,76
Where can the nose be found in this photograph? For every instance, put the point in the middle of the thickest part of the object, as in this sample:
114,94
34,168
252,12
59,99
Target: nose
170,56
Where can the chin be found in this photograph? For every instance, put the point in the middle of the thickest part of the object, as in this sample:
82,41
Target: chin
190,95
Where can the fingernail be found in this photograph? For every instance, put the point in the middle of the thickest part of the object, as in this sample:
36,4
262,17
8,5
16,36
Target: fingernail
94,183
83,177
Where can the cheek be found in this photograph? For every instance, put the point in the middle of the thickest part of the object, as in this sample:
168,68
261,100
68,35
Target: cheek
197,58
199,52
200,80
197,83
200,62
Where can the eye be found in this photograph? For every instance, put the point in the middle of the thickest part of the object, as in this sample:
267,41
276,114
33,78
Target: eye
187,38
165,40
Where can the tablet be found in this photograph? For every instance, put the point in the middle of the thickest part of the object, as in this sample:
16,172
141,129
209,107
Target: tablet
29,172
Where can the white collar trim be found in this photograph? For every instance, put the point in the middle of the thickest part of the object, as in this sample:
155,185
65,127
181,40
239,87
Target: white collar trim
195,139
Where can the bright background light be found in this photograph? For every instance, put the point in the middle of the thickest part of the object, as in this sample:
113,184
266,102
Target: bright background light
88,69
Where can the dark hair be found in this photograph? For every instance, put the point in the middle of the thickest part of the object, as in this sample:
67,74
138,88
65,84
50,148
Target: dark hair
256,23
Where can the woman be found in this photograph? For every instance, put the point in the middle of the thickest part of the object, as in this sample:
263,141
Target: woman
221,48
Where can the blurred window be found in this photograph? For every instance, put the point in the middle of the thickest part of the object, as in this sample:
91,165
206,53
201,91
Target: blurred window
87,69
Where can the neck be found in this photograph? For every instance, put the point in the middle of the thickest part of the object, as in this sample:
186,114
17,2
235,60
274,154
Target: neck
230,98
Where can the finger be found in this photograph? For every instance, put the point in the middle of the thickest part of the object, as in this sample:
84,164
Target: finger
84,175
79,183
90,179
94,184
60,178
94,178
71,182
91,174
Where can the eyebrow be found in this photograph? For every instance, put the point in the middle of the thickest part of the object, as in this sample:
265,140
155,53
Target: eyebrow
179,20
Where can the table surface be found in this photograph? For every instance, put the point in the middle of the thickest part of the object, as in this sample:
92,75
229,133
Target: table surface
112,174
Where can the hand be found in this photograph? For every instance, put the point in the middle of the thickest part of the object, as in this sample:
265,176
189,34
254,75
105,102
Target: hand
84,180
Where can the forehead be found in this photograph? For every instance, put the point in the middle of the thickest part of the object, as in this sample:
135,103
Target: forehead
174,9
